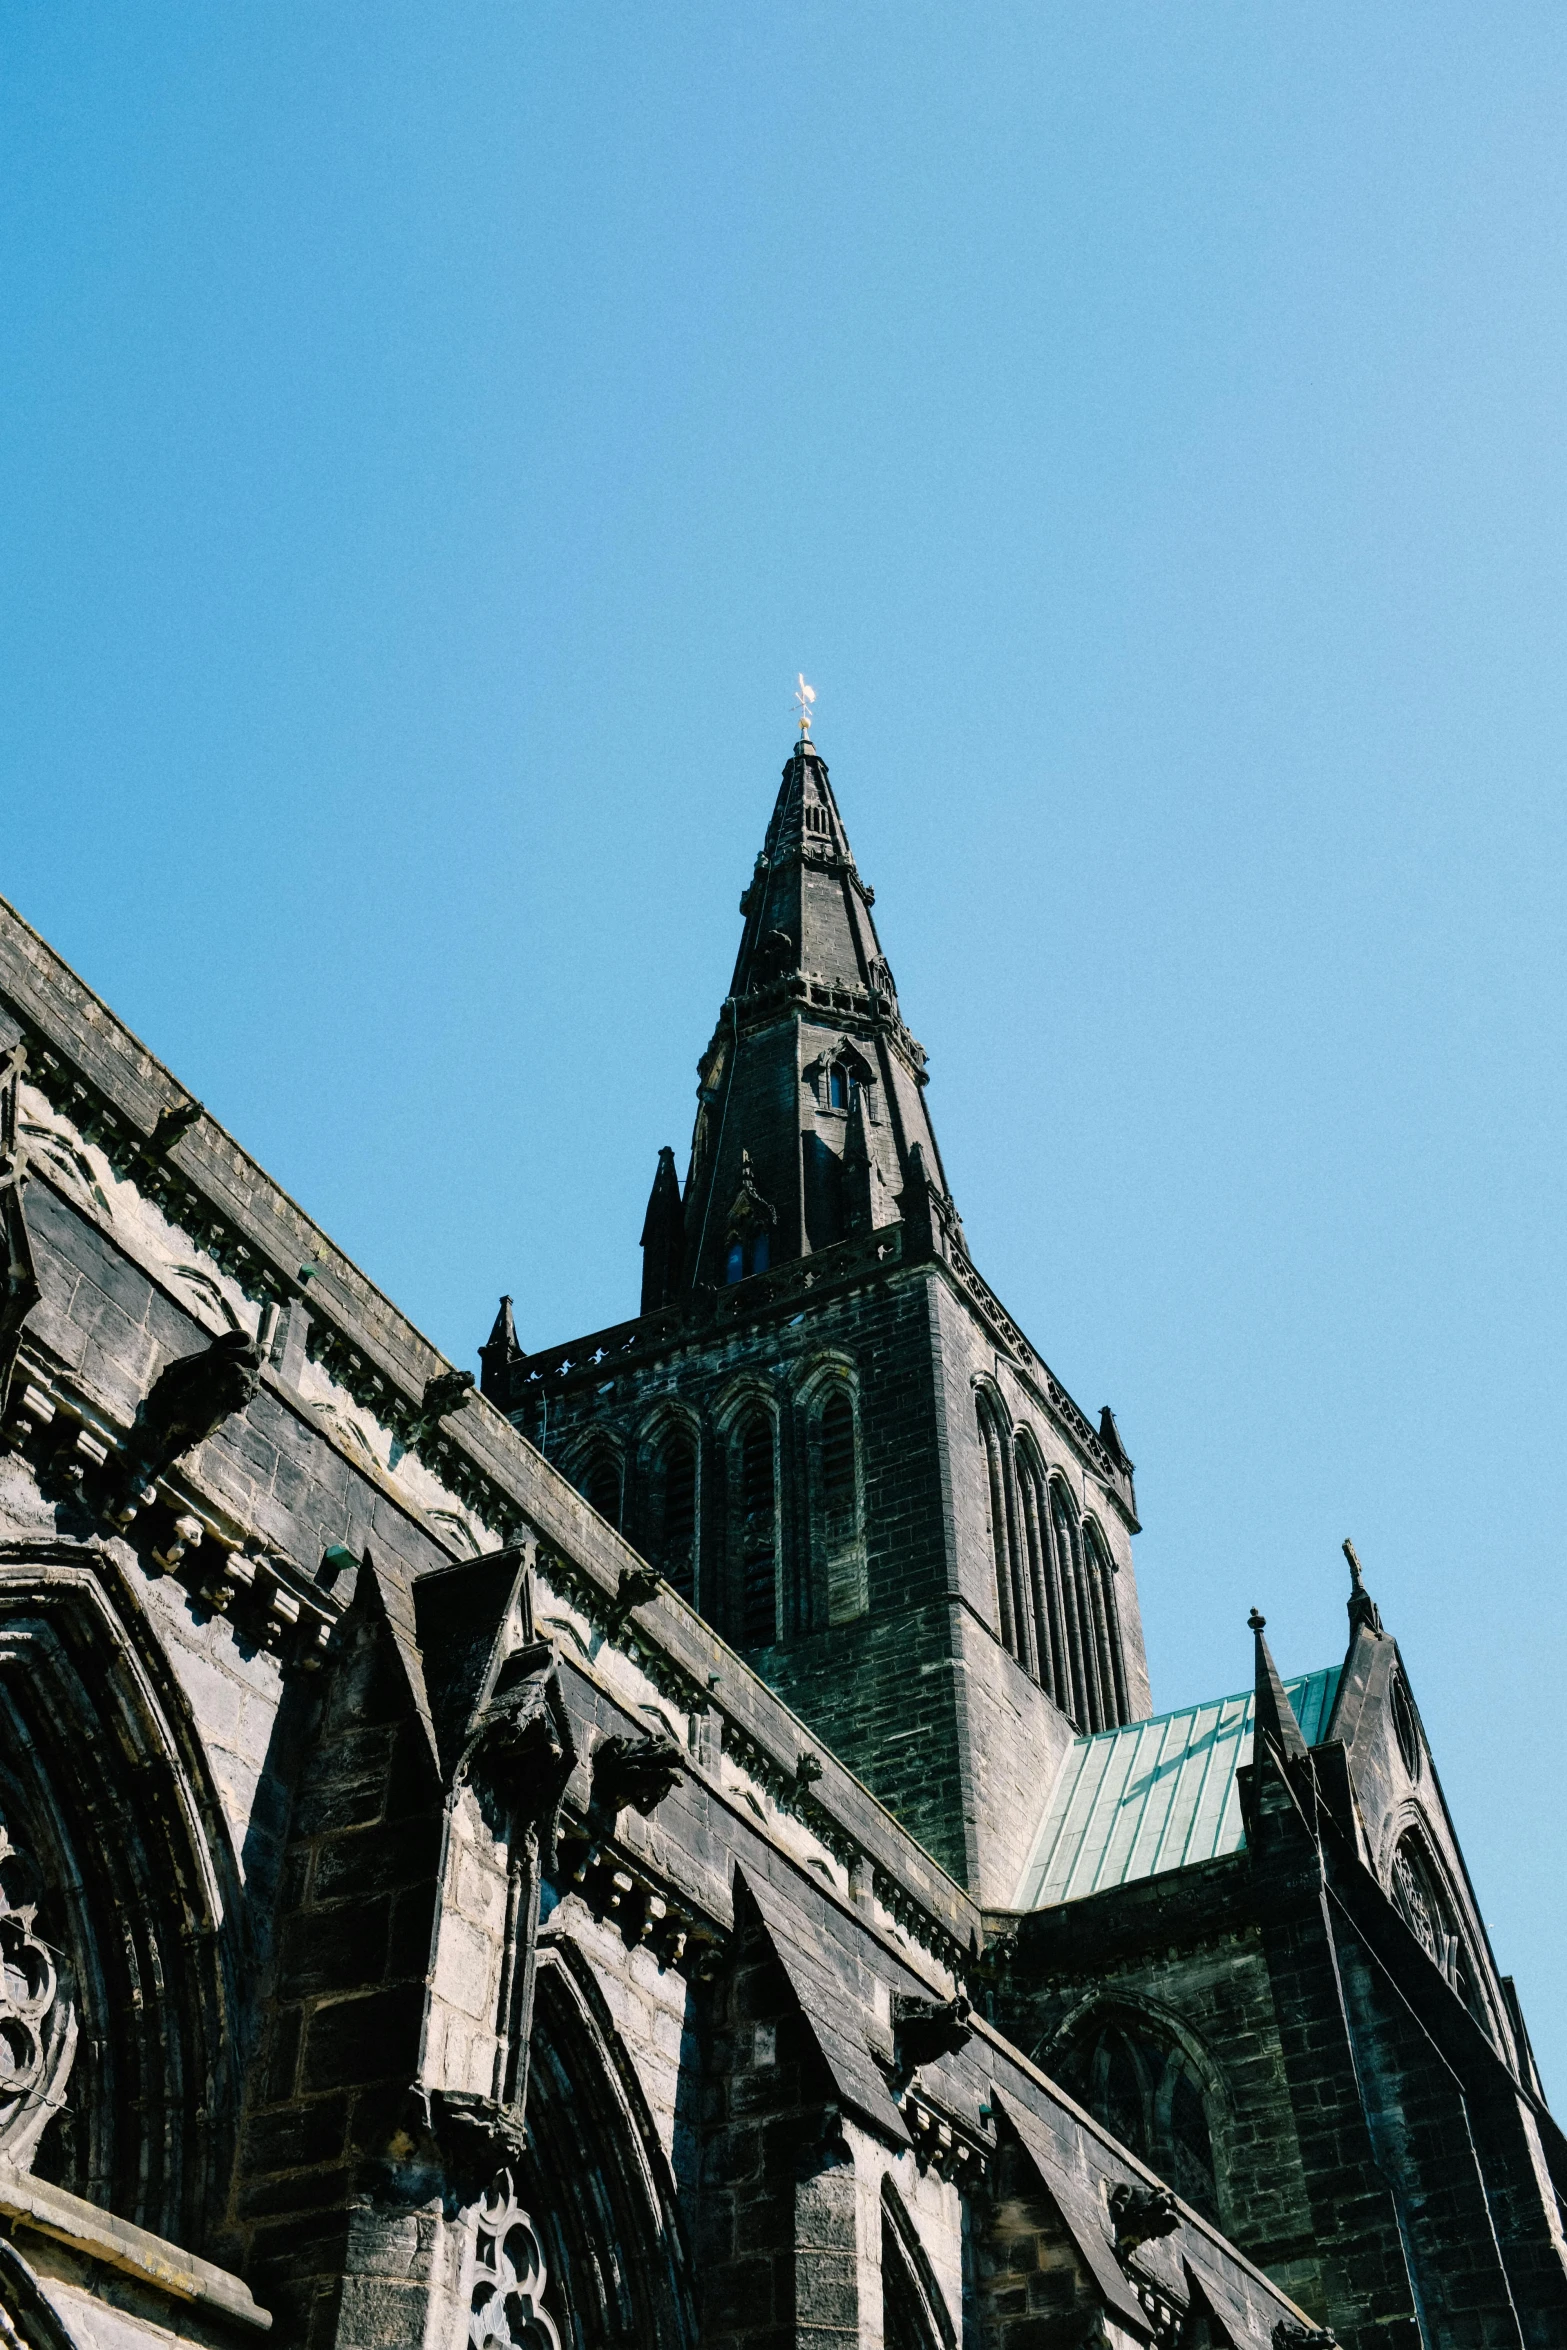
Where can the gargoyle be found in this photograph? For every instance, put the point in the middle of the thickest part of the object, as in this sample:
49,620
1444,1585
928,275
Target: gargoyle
1288,2334
172,1123
520,1747
634,1772
924,2029
1140,2215
446,1393
191,1397
636,1585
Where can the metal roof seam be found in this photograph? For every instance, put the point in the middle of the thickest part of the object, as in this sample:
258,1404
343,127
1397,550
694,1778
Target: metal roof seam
1153,1795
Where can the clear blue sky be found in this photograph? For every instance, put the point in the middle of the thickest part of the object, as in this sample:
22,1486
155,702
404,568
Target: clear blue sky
432,437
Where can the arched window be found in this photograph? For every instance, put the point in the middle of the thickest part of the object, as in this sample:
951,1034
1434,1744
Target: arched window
745,1256
1081,1672
595,2194
600,1485
914,2314
1422,1900
1107,1622
757,1529
672,1548
841,1538
1012,1607
838,1087
1042,1580
1142,2084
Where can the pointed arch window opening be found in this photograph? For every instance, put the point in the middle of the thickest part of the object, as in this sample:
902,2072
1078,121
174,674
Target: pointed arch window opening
1144,2086
1012,1607
1113,1665
672,1547
748,1241
756,1529
839,1515
1422,1901
600,1486
1044,1592
1063,1530
747,1256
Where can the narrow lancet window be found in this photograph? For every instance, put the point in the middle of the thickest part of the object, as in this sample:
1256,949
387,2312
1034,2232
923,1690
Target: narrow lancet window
843,1541
601,1486
1082,1681
1112,1665
1043,1584
758,1531
674,1544
1015,1628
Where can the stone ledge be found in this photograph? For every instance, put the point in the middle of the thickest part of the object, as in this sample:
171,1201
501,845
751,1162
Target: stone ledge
99,2235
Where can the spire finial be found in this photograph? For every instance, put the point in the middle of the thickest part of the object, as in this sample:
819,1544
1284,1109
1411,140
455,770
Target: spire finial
1273,1717
804,702
1362,1607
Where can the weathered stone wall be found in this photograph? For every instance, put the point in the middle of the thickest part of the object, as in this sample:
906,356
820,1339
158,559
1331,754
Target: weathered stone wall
918,1695
1375,2148
415,1772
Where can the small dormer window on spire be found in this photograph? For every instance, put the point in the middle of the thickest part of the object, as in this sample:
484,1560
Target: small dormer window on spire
839,1087
748,1241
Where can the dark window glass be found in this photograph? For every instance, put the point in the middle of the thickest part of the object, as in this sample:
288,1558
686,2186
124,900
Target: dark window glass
1000,1542
1146,2090
758,1534
842,1548
734,1263
761,1250
838,1086
677,1533
838,1455
601,1487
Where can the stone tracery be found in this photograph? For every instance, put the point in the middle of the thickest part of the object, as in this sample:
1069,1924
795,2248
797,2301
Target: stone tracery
506,2304
36,2033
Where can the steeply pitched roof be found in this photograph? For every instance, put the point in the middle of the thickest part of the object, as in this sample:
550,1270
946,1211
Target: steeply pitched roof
1155,1795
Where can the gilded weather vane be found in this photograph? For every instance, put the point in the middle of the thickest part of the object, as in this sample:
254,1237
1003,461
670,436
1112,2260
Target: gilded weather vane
804,698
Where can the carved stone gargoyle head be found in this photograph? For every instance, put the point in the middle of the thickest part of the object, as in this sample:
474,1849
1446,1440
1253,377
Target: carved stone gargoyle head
519,1749
1140,2215
192,1397
1289,2334
923,2029
634,1773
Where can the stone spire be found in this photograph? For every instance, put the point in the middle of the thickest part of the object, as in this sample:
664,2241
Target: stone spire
496,1356
1273,1717
811,1092
663,1236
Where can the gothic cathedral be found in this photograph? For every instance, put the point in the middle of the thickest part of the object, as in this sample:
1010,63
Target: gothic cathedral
672,1845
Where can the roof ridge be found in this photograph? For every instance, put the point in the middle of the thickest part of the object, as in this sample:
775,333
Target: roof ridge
1230,1697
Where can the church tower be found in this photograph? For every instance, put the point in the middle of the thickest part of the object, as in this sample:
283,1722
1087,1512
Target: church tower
823,1428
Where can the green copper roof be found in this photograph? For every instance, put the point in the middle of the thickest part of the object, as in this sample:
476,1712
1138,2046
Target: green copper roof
1155,1795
